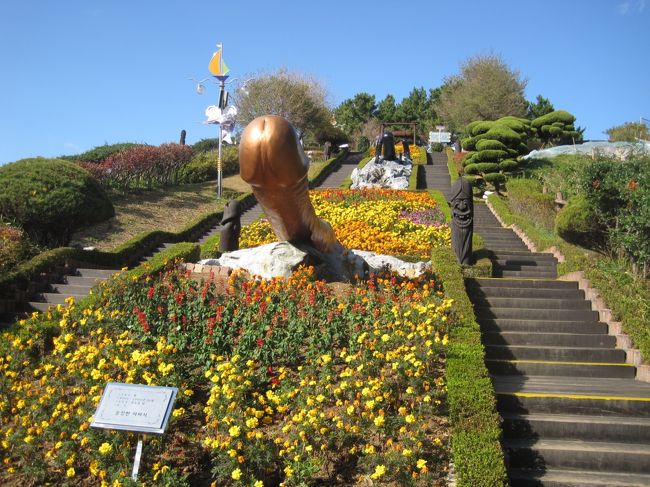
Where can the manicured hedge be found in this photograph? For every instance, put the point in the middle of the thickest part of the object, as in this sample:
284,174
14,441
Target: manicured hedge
476,431
451,165
51,198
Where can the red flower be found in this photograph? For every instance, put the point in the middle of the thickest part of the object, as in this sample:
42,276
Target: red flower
259,342
151,292
632,185
142,318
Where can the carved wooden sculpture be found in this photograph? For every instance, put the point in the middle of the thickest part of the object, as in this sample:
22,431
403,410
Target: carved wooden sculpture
462,220
231,227
272,161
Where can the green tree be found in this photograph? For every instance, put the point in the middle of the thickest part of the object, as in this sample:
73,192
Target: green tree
352,113
557,128
486,89
294,96
540,107
628,132
387,109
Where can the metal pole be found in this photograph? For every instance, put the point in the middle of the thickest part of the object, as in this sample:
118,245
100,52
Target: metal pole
219,169
222,87
136,460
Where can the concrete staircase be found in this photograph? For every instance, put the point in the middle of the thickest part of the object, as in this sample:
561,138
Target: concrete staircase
436,174
573,413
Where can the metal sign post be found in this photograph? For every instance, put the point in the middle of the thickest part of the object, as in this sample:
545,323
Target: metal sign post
135,407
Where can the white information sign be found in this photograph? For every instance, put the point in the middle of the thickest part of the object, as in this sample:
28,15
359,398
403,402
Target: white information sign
442,137
135,407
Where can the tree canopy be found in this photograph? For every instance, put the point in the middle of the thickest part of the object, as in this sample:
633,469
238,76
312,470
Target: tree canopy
628,132
486,89
541,106
294,96
354,112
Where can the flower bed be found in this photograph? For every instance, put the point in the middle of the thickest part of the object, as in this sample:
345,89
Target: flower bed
376,220
287,381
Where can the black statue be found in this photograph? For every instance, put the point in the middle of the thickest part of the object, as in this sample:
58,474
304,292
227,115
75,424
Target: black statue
407,151
462,220
385,147
231,227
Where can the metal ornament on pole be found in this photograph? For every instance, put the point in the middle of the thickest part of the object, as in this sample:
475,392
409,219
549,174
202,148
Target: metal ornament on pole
220,71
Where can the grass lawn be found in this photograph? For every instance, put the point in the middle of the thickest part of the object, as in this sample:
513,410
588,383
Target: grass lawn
169,209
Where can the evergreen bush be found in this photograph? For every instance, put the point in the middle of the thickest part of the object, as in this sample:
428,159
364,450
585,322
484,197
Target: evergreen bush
203,166
51,198
577,223
101,152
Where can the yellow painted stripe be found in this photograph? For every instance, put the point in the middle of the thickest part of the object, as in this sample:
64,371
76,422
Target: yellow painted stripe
555,363
574,396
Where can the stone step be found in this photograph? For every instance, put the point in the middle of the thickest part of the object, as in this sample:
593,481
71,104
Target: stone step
495,232
566,395
476,291
517,264
536,314
505,246
39,306
530,272
523,283
549,339
577,427
621,457
56,298
532,303
575,478
566,369
525,255
99,273
547,326
71,289
82,281
555,353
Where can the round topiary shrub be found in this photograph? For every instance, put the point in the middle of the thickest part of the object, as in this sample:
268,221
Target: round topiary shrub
489,144
51,198
577,223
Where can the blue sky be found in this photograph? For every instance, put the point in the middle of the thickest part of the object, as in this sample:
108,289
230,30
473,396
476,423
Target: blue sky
82,73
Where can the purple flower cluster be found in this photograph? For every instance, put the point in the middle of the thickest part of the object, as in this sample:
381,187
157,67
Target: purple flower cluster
432,217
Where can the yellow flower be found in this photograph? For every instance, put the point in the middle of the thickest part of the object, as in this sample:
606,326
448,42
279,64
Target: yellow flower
410,419
421,463
379,471
234,431
70,472
379,421
178,412
105,448
258,483
236,474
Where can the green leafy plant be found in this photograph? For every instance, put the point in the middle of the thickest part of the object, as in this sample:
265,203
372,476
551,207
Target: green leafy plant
50,198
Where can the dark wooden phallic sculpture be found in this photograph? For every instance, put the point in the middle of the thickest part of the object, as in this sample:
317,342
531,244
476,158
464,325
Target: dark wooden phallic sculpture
385,147
272,161
406,148
462,220
231,227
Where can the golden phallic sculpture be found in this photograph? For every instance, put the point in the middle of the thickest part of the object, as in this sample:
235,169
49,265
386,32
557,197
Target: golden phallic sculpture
272,161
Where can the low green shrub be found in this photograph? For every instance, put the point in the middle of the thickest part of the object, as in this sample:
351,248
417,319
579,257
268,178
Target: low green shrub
525,197
182,251
476,430
453,165
577,224
203,165
206,145
51,198
437,147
